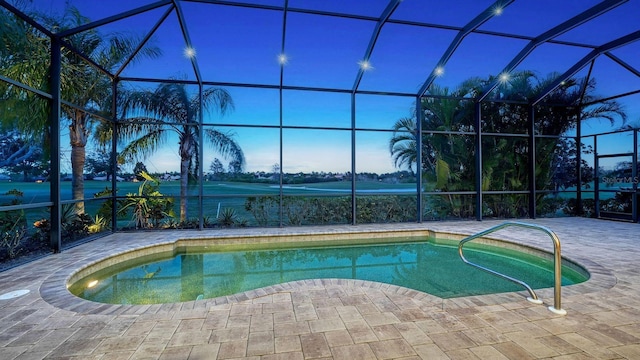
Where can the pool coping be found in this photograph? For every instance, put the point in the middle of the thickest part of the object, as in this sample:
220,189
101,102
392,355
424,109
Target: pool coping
54,288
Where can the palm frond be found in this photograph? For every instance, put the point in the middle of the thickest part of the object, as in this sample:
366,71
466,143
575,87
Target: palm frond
143,146
226,145
442,173
218,98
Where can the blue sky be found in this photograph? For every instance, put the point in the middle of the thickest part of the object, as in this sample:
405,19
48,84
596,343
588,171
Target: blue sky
241,45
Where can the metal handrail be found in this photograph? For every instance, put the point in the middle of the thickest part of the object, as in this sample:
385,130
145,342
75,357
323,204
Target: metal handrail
557,262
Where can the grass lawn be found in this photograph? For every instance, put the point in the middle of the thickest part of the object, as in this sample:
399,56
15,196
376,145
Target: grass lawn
39,192
218,194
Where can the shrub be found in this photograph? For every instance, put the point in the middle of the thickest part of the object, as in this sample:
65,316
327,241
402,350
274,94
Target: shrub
331,210
228,217
11,241
13,227
148,207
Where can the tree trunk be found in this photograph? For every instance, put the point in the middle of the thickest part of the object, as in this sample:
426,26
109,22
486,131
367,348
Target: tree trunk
184,182
186,153
77,175
78,139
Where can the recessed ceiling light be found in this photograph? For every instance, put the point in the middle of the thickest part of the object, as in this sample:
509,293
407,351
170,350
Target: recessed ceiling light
189,52
498,10
283,59
439,71
365,65
504,77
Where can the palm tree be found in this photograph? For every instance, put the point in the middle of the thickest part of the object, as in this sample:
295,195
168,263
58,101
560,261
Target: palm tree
150,116
23,57
504,165
88,88
445,156
81,83
442,113
402,144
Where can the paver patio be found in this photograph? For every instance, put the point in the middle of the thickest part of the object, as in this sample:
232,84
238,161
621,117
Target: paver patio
337,318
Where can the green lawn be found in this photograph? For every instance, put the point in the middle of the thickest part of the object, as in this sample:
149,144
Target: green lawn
219,195
39,192
225,191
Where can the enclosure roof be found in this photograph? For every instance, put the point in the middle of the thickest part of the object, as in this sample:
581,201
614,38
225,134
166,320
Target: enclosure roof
373,46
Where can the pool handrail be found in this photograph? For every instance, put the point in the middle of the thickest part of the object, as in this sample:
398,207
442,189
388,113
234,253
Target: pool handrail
557,263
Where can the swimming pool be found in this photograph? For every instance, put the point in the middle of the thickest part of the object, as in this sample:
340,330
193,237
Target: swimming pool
430,265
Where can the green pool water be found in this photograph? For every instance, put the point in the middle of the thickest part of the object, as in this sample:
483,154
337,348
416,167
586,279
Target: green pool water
431,266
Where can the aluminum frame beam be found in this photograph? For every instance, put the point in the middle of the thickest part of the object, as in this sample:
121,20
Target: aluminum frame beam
386,14
611,45
26,18
157,4
624,64
114,18
487,14
54,146
556,31
187,40
51,35
144,41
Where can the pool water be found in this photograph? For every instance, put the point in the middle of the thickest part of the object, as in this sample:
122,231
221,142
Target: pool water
430,266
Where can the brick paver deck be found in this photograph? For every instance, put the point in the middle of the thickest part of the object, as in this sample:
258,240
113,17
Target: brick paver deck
334,318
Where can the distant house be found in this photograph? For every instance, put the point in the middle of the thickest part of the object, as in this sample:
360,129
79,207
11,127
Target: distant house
169,177
107,178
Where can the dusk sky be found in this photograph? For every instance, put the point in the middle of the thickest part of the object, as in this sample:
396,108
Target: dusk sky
242,45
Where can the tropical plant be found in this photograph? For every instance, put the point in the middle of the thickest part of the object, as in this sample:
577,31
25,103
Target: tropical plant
105,210
74,225
139,168
100,224
12,226
151,116
148,207
403,144
82,84
43,231
443,153
448,151
24,57
228,217
11,241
